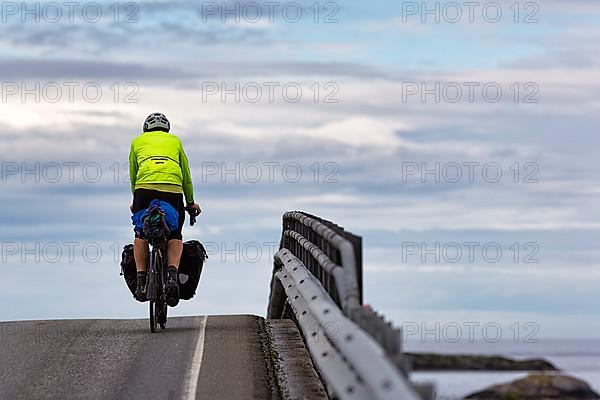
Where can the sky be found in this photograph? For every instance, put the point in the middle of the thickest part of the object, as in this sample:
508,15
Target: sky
460,143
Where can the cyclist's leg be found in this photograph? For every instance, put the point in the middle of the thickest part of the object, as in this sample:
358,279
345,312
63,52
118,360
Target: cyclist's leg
141,200
174,250
140,253
175,243
141,249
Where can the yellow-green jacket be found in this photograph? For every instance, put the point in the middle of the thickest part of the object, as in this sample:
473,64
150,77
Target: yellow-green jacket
157,161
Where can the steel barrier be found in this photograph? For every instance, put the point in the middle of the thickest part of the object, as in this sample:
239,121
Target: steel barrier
317,281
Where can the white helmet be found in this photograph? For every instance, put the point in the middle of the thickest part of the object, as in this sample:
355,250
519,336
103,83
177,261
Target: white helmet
157,122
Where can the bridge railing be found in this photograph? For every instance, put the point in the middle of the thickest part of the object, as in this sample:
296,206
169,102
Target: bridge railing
317,281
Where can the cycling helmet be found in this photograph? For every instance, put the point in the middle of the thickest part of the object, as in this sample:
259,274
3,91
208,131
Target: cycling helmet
157,122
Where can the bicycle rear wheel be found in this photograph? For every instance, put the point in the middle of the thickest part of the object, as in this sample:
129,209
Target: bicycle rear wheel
158,305
152,289
153,319
161,314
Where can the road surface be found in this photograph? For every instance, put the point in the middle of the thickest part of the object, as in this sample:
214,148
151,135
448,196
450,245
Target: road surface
215,357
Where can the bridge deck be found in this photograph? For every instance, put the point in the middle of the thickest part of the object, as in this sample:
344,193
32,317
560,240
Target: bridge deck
215,357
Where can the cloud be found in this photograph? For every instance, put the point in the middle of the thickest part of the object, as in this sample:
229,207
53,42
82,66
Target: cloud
38,68
364,142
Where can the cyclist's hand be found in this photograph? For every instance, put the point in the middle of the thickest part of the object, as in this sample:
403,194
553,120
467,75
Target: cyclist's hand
194,210
195,207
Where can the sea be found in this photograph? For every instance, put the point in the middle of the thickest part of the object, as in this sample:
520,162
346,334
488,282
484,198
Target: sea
579,358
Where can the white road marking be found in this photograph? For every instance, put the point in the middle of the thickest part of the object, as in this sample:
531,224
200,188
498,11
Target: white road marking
194,372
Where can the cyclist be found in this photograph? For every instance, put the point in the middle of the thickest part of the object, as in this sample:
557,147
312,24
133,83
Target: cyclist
158,169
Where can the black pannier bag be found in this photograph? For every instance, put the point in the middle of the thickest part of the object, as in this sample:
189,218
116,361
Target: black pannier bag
190,268
128,270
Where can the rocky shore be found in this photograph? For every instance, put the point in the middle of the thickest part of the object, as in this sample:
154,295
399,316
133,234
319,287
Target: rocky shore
538,387
444,362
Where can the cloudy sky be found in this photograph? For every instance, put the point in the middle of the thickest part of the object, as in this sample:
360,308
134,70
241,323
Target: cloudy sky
461,143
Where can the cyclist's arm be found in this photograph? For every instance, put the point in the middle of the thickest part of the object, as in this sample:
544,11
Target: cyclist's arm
133,167
188,187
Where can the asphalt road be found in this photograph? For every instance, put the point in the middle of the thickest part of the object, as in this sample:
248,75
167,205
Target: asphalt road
215,357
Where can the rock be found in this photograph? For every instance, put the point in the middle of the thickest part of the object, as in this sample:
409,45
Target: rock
436,362
538,387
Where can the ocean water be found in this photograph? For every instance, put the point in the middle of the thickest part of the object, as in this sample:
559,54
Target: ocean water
577,358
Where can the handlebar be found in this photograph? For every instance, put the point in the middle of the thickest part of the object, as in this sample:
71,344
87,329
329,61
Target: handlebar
193,214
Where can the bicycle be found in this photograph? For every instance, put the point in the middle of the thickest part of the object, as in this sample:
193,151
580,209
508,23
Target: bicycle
157,267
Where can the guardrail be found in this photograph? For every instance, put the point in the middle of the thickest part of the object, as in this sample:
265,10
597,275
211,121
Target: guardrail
317,281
